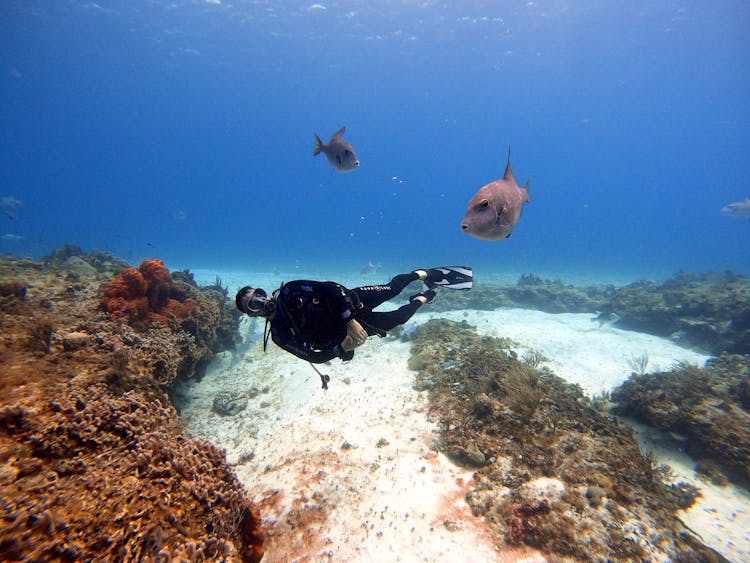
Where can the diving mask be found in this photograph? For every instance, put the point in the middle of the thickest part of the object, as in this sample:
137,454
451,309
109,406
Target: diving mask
255,302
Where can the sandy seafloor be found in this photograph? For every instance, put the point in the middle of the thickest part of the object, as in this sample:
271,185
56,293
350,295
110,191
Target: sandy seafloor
359,454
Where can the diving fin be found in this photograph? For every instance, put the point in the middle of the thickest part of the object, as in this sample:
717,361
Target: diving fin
450,277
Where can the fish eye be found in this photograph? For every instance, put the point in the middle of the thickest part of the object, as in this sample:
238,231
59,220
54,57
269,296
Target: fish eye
485,203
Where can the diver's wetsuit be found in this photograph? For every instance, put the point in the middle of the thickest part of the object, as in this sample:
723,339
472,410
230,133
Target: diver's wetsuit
311,316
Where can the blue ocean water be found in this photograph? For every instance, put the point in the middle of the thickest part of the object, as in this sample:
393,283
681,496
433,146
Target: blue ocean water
183,130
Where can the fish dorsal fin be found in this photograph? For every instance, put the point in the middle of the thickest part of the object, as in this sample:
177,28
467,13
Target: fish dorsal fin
338,134
508,172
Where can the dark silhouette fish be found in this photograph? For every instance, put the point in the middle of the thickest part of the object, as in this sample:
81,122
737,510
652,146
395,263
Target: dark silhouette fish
338,152
495,209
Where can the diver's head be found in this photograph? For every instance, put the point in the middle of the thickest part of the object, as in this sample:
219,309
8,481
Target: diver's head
254,302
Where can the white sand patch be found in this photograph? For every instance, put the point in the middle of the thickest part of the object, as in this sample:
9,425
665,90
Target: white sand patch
348,474
721,515
577,349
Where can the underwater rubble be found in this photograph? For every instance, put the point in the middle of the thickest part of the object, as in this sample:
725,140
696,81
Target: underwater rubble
552,471
710,406
94,462
709,312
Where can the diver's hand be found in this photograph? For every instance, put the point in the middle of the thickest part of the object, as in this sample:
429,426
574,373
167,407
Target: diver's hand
347,344
356,331
355,335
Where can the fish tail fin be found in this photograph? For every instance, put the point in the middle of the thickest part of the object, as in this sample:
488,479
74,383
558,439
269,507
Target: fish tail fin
526,190
318,145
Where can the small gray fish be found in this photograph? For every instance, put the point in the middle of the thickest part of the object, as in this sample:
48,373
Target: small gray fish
737,209
605,317
495,209
338,152
8,204
370,268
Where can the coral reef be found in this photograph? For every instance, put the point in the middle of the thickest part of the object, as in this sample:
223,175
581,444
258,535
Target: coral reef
71,257
529,292
710,406
203,320
710,312
552,471
94,464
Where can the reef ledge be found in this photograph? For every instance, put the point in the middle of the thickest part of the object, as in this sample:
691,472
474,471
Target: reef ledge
94,462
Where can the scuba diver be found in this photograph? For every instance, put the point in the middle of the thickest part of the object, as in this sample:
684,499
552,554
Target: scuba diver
318,321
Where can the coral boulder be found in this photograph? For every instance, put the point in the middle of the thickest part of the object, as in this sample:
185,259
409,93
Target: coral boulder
145,294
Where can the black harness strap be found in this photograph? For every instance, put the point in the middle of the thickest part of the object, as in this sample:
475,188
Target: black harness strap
324,377
284,311
266,334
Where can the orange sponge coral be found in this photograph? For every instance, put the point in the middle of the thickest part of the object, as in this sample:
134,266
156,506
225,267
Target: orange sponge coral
128,285
144,294
154,271
159,282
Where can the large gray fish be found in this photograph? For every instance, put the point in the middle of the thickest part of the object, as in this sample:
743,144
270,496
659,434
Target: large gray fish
338,152
737,209
495,209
